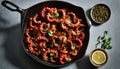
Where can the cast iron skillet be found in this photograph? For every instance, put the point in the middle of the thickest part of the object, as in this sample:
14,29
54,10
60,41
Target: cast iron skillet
30,12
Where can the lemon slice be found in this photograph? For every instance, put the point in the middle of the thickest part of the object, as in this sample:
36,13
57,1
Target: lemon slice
99,57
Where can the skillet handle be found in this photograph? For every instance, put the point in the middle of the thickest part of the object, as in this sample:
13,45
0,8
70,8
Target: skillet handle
9,5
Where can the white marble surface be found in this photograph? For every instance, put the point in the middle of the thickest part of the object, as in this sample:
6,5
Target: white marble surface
12,55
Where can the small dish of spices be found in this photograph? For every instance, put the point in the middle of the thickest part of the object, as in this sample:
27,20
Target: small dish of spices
100,13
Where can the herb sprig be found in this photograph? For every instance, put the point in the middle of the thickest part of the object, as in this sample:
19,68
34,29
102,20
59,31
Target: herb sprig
104,41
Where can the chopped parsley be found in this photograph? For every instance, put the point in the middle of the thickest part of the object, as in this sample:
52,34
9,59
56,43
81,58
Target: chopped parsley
52,54
73,47
50,33
57,15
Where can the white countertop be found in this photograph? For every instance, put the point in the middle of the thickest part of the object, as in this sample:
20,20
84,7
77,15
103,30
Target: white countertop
12,55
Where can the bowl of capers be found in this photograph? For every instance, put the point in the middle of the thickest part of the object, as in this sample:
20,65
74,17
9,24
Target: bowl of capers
100,13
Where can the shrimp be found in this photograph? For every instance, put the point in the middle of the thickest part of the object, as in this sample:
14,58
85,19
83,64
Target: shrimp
48,52
35,19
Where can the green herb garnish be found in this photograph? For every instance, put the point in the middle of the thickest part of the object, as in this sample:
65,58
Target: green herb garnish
52,54
50,33
73,47
104,35
104,41
57,15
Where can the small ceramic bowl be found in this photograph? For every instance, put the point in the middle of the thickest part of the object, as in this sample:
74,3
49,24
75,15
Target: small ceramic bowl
98,57
100,13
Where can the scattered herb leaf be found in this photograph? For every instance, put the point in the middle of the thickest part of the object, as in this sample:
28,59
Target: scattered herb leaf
50,33
109,47
52,54
57,15
98,39
73,47
97,44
